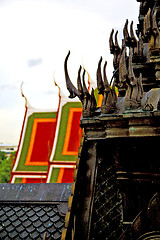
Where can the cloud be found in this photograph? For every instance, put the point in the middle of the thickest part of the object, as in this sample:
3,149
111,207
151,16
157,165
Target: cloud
7,87
40,34
50,92
34,62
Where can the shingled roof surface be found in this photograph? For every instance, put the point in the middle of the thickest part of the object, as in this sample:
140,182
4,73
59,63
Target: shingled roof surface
28,211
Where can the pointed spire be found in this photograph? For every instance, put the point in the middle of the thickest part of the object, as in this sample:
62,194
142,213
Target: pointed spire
133,38
114,93
148,29
116,41
111,43
125,33
88,78
106,84
93,101
140,45
154,21
85,90
108,103
134,90
71,88
130,68
79,84
59,93
145,26
140,88
122,67
100,85
26,102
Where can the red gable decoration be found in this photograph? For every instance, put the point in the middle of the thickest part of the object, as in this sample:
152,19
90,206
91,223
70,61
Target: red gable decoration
40,139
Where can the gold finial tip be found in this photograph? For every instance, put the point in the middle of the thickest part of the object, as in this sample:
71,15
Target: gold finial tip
23,95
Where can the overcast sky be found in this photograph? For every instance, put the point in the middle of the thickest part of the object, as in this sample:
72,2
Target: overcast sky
35,36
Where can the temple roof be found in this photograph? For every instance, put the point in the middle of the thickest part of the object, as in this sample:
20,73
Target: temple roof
67,140
35,144
32,210
48,144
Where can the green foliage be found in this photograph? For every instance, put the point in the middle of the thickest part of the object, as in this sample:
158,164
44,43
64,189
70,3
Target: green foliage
5,167
2,156
13,155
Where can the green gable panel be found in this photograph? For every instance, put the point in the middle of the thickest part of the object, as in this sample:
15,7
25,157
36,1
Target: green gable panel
54,175
21,164
18,180
62,132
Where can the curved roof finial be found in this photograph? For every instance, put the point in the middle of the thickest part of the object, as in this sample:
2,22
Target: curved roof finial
71,88
59,93
100,85
23,95
111,43
89,83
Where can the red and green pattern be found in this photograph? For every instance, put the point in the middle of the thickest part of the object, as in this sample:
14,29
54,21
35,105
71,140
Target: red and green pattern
69,134
29,180
38,142
62,175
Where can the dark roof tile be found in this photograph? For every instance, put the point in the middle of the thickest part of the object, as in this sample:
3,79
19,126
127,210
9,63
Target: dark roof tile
55,218
37,209
51,211
13,218
59,224
23,235
3,234
34,217
37,223
7,208
27,223
40,213
6,238
57,235
34,235
51,214
10,213
17,208
10,228
30,212
17,223
13,235
30,229
1,212
23,218
20,213
48,208
7,223
52,229
3,218
41,229
20,228
48,225
44,218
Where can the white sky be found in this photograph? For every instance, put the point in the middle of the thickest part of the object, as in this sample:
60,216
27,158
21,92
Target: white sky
35,36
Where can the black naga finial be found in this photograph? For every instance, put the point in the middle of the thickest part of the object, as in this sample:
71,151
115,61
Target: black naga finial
87,99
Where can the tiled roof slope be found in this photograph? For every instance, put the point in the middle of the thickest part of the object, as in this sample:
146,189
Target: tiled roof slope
30,221
28,211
